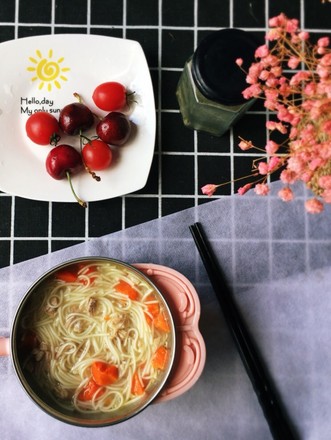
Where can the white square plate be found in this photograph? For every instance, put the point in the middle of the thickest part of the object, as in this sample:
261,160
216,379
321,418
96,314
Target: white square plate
43,73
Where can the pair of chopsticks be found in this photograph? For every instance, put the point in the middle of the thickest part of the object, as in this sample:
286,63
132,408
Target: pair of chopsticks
279,425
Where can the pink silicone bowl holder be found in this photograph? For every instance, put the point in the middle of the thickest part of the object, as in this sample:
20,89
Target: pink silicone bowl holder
184,304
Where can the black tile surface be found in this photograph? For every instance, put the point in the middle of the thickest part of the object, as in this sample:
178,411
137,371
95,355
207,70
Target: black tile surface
184,160
144,13
106,12
27,14
249,14
178,13
73,12
213,13
7,11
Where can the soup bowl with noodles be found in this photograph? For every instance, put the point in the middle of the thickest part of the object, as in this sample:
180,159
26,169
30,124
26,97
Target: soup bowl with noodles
93,341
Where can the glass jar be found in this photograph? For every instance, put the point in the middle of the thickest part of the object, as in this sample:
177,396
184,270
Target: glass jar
210,88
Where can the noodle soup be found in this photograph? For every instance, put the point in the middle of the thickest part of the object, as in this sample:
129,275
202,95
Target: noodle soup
96,337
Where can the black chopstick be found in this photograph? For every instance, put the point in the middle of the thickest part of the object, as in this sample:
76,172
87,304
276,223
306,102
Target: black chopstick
275,415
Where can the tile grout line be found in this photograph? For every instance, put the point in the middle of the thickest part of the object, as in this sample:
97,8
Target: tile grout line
159,107
12,231
124,28
16,18
195,134
88,29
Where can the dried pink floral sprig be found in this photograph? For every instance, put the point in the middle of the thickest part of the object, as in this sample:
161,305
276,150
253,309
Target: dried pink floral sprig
301,102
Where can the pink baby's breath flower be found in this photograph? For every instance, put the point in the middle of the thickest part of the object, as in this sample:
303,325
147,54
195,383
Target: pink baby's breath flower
293,62
296,165
270,61
325,182
314,206
271,147
310,89
276,70
253,73
279,20
283,114
245,145
326,195
272,81
273,125
292,25
315,163
243,189
239,62
303,35
284,88
264,75
326,60
323,72
261,189
299,77
323,42
209,189
286,194
288,176
263,168
262,51
273,163
293,133
273,34
252,91
324,88
306,176
271,99
326,127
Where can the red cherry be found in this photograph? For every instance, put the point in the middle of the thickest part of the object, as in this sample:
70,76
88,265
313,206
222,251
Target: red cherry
114,128
64,161
75,117
61,159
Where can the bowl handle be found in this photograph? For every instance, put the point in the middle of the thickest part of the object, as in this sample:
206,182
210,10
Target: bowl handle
4,346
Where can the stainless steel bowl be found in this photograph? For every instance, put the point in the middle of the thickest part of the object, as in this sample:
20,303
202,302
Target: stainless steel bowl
54,407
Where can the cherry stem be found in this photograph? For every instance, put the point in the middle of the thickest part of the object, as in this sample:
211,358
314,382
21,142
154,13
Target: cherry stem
80,201
78,97
95,176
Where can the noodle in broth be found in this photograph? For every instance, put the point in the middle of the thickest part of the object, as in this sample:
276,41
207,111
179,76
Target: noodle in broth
97,318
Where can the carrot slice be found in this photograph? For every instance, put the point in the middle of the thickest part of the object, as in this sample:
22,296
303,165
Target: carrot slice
160,358
153,307
104,374
66,276
126,289
149,320
137,386
71,275
161,323
90,390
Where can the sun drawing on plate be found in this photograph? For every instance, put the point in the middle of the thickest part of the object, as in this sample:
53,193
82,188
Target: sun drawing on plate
47,71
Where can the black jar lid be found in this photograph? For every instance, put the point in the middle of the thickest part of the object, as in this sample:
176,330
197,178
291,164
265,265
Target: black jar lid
214,69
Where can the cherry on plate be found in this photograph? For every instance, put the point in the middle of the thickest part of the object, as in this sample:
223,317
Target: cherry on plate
114,128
